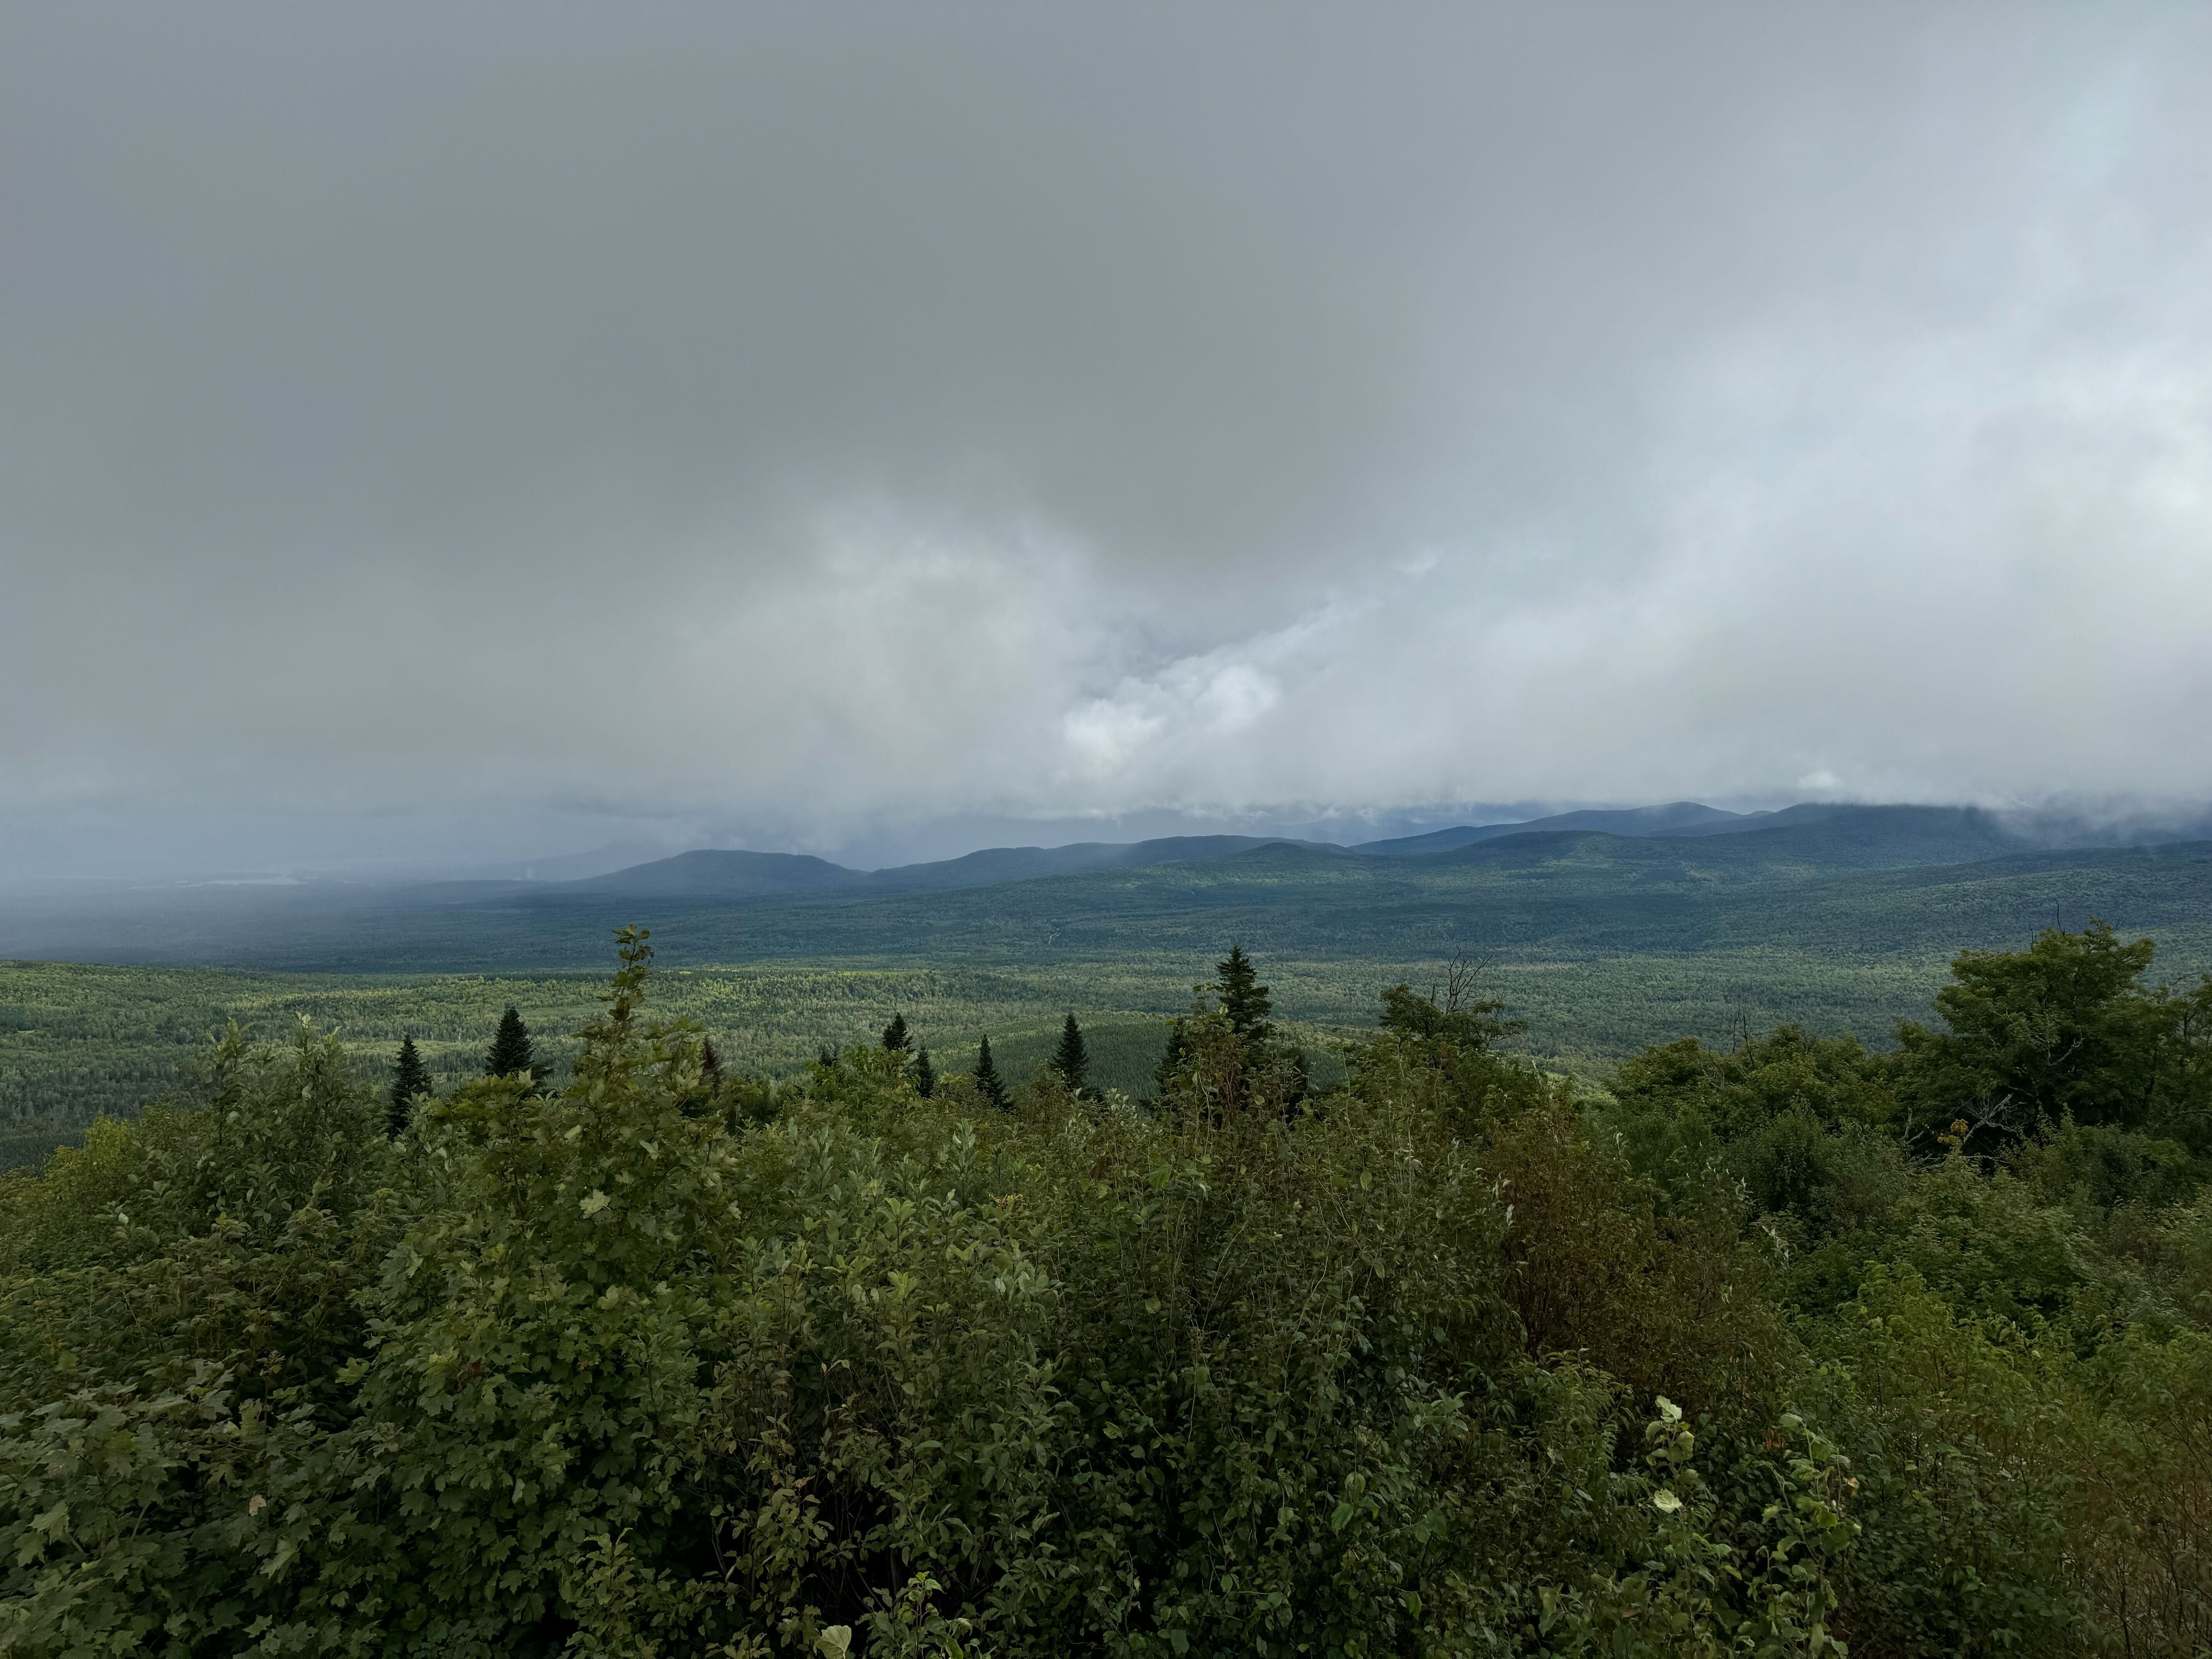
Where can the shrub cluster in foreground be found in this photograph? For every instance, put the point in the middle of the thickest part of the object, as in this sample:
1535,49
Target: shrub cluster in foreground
1774,1350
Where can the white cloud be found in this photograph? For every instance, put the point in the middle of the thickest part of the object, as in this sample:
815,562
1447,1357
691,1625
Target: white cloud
862,419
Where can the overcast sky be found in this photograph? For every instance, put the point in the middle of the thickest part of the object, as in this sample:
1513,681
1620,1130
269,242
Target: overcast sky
499,427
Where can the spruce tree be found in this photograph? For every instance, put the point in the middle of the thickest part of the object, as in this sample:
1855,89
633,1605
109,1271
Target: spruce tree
924,1074
511,1049
411,1078
1244,1000
710,1081
896,1037
1072,1060
991,1086
1171,1061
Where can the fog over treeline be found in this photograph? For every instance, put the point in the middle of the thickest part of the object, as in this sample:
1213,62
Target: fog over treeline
432,436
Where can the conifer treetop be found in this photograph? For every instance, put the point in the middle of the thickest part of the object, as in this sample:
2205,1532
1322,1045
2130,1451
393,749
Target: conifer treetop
410,1080
1072,1059
512,1050
1244,1001
987,1080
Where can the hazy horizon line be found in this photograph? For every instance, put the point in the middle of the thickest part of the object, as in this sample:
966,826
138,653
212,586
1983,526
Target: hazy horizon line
873,850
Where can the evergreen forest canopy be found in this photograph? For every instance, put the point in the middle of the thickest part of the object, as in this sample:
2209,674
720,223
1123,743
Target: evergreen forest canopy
1777,1347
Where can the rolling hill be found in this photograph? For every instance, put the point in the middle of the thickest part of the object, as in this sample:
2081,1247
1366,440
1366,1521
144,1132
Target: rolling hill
1675,818
711,874
1808,878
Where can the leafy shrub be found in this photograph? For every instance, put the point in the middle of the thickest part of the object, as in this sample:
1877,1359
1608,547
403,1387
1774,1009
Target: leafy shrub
661,1365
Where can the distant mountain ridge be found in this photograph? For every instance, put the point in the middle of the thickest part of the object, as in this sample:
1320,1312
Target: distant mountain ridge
721,874
1676,817
710,874
1842,839
997,863
1567,891
1814,834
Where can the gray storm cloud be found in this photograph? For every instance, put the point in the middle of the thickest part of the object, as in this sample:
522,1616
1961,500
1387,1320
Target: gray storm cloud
492,419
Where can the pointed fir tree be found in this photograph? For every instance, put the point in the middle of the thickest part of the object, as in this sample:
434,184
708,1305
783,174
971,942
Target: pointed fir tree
1072,1060
1171,1061
512,1050
924,1074
710,1082
411,1078
895,1036
988,1083
1244,1000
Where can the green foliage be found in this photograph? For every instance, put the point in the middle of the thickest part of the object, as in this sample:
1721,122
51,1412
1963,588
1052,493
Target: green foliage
1462,1021
1225,1058
988,1084
139,1521
2064,1031
1450,1359
1449,1054
511,1053
1173,1059
1978,1295
76,1041
1072,1059
895,1034
410,1079
1694,1595
1243,1001
1833,1080
1794,1131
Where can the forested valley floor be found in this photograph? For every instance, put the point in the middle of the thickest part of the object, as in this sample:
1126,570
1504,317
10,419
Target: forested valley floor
80,1039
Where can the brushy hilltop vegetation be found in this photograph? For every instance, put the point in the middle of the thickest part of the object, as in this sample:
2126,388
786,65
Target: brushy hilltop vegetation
1779,1347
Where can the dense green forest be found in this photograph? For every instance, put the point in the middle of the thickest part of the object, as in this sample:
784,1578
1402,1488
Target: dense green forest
1838,920
76,1040
1777,1345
